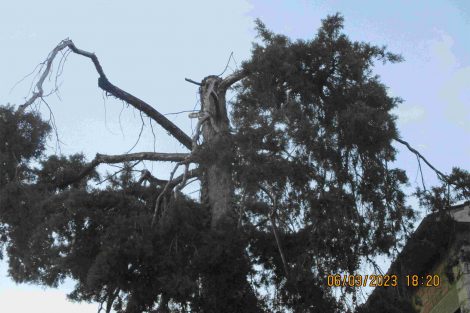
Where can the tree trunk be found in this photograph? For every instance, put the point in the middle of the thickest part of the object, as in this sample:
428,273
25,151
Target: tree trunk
225,286
217,185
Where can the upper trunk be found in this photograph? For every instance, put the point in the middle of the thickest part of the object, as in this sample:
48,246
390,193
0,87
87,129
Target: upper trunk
217,185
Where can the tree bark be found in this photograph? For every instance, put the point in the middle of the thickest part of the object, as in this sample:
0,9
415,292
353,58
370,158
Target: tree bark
217,186
225,286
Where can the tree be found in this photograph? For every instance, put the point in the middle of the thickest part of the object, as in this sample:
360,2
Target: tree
296,183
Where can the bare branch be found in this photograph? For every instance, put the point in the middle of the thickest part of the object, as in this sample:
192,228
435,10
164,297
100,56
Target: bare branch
203,117
420,156
181,185
172,182
190,174
111,159
140,105
39,91
231,79
179,112
149,156
146,175
107,86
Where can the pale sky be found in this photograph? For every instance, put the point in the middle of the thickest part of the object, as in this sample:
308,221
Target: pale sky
148,47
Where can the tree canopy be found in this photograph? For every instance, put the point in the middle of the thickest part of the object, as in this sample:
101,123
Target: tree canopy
304,164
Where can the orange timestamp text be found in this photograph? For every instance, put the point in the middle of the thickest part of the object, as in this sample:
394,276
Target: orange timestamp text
382,280
362,280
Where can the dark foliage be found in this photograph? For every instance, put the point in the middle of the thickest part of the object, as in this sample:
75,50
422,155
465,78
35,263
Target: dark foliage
313,124
312,133
387,301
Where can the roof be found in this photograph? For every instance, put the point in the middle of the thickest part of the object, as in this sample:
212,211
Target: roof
430,243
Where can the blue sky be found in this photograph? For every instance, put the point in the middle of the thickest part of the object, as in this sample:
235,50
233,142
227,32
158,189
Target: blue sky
147,48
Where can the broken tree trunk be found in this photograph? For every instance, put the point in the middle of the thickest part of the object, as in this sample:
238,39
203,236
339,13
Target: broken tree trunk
225,286
217,185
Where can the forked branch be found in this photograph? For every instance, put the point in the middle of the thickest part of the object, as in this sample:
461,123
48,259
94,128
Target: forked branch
107,86
172,183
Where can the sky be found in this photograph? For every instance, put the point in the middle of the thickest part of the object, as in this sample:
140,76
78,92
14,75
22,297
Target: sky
148,47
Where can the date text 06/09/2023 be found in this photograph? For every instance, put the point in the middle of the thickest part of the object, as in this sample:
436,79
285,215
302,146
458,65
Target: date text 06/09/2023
382,280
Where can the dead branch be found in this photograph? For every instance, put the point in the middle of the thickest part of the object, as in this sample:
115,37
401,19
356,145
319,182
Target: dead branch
202,118
164,191
208,94
107,86
420,156
181,185
192,81
172,182
147,176
179,112
149,156
231,79
39,90
111,159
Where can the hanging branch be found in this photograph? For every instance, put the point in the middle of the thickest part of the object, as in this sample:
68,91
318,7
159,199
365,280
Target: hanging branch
107,86
274,228
226,66
421,173
420,156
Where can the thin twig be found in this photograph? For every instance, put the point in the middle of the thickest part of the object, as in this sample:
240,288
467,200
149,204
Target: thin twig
117,172
274,228
140,132
26,76
175,113
226,66
421,172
